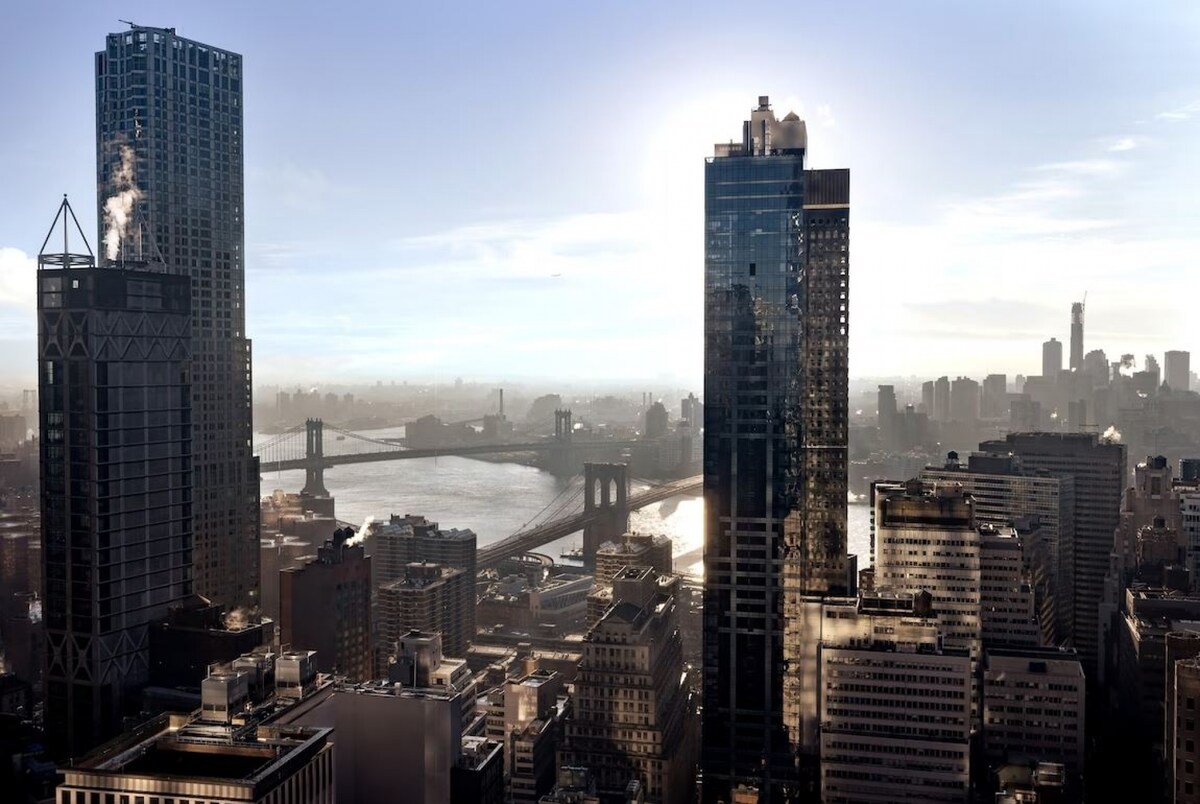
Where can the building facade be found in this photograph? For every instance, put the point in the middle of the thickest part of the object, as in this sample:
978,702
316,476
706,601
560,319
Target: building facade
1098,468
169,156
775,461
631,718
115,396
325,606
429,598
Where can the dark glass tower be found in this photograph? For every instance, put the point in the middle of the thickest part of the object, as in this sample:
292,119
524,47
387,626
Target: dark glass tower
775,417
114,390
169,170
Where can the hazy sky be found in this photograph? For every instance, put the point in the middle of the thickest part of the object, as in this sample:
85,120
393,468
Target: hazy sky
515,189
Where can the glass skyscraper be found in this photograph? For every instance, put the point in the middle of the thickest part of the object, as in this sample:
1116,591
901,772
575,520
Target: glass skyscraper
775,418
169,187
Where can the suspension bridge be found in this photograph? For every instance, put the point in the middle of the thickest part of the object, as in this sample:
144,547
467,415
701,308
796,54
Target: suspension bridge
305,447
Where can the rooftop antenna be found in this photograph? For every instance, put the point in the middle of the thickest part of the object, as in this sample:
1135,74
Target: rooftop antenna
127,22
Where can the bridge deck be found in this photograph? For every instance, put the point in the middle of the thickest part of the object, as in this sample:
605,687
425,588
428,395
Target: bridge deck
527,540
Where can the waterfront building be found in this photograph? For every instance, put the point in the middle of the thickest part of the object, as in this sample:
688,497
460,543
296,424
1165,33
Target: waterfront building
169,147
775,439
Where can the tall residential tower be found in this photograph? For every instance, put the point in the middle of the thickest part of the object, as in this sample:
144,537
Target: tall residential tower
169,187
775,415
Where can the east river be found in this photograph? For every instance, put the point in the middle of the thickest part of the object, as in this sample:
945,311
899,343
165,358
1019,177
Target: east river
497,499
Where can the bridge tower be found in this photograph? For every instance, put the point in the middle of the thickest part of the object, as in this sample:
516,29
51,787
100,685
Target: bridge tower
605,493
562,457
314,459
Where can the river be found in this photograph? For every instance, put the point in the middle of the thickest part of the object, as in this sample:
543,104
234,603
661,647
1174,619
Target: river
497,499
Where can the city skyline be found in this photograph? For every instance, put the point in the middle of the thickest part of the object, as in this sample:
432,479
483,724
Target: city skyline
1007,189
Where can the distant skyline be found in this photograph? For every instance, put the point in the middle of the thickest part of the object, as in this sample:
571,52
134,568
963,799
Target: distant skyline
487,193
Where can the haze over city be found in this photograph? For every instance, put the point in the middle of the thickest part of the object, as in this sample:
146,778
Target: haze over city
537,185
620,404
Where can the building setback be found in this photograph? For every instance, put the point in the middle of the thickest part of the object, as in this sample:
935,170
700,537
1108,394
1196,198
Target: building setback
115,397
169,136
775,437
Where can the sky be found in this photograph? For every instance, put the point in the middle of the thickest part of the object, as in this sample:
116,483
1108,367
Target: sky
514,190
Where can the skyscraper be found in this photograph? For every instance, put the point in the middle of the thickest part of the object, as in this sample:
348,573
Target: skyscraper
1076,337
1177,370
1051,360
1098,467
169,185
116,484
775,409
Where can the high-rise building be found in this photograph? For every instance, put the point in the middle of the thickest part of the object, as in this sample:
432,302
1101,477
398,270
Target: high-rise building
994,402
964,400
635,549
115,397
926,539
1006,492
169,162
1184,754
1076,363
1033,706
630,719
429,598
1052,360
882,661
1008,615
941,399
927,398
1098,467
886,412
325,606
1177,370
775,441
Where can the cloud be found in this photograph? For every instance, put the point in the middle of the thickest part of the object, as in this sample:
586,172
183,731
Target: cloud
825,116
1179,113
1083,167
18,279
1123,144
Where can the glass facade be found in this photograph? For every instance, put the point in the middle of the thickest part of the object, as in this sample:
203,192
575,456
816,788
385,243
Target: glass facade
116,461
775,430
175,106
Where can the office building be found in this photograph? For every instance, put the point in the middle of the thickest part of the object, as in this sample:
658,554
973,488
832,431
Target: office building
1008,609
1177,370
196,634
927,540
1006,492
325,606
1152,497
177,758
1076,360
429,598
1180,645
895,704
533,708
1052,360
1188,489
169,151
1033,706
631,717
115,397
927,398
776,423
886,412
1098,468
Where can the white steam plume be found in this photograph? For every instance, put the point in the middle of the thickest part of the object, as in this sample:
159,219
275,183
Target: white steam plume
360,537
1111,434
118,208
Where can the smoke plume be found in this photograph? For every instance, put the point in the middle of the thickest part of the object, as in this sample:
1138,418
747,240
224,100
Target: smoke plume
118,208
1126,367
1111,434
238,619
360,537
